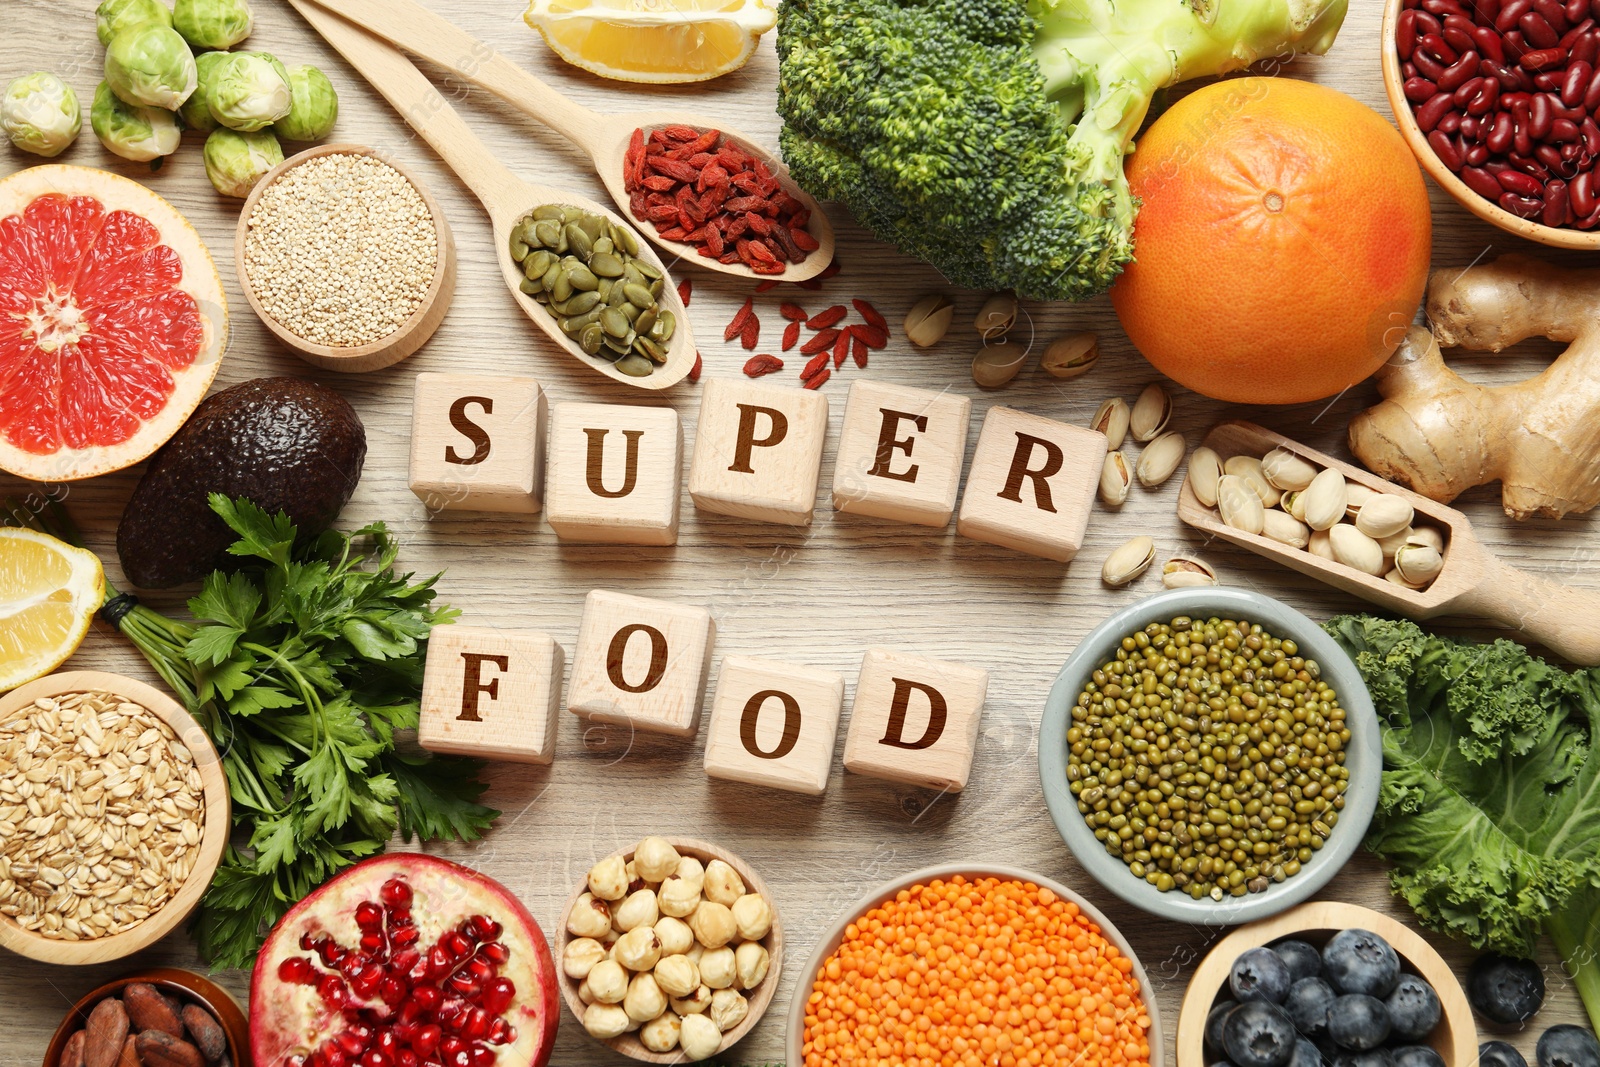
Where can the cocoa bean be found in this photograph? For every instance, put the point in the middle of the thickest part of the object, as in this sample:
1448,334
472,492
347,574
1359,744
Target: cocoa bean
160,1049
205,1032
130,1053
104,1034
149,1010
72,1051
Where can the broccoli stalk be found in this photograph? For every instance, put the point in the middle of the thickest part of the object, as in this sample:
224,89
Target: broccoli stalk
987,136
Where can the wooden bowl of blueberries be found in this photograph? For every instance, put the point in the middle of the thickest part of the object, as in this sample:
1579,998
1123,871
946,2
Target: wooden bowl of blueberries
1330,983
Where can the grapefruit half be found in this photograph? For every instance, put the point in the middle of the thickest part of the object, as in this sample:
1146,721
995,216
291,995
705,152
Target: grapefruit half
112,322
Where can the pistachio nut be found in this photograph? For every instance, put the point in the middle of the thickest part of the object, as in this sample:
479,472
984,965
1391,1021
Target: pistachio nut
1160,459
1129,561
1325,499
929,319
1355,549
1072,355
995,365
1320,544
1356,495
1393,543
1384,515
1294,502
1205,467
1249,468
1182,572
1427,535
1418,564
1286,470
1239,505
997,316
1114,480
1111,419
1151,413
1394,577
1284,528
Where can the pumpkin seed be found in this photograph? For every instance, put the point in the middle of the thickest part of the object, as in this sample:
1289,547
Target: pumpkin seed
615,323
606,264
547,232
639,296
578,241
583,278
1128,561
635,366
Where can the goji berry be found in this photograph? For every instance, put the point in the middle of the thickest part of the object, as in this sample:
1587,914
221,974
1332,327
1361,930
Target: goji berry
870,313
858,350
791,335
872,336
762,287
841,348
818,363
694,371
680,133
816,380
829,317
740,317
750,334
806,242
819,342
658,183
792,312
674,168
756,366
685,287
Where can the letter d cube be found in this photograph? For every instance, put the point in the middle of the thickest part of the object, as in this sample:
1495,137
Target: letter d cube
491,693
915,720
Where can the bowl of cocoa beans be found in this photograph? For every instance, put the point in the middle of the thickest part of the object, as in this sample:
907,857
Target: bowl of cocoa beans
1500,102
156,1018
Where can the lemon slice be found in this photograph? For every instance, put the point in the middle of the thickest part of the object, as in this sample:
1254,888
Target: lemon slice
49,591
653,40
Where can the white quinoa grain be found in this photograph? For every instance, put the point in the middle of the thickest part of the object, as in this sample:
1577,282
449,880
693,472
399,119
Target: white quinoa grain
341,250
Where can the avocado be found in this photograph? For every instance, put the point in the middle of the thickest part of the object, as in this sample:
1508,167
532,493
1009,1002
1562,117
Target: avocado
287,444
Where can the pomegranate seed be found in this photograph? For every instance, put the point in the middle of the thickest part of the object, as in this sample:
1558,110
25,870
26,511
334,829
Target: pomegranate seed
404,960
485,928
463,984
456,944
452,1013
295,1061
369,916
476,1024
332,1055
460,1059
406,1058
482,1056
439,961
332,991
427,1040
396,896
373,945
501,1032
366,982
427,997
306,943
498,993
495,952
479,968
354,964
354,1042
296,970
392,990
388,1042
374,1058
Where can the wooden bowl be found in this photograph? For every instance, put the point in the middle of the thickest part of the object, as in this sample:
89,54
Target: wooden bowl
1456,1036
213,831
760,998
386,351
185,985
795,1036
1443,176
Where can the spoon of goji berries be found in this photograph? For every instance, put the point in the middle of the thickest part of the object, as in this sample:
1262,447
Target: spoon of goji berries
697,190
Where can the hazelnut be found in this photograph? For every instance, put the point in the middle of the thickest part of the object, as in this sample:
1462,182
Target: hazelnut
654,859
676,937
750,961
723,883
638,949
728,1009
591,917
696,950
692,871
644,1000
713,924
608,879
608,982
581,956
661,1033
676,976
694,1003
678,897
718,968
585,994
753,916
699,1037
639,909
606,1021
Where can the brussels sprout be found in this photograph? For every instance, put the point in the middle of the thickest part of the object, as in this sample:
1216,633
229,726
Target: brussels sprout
236,161
195,111
40,114
212,23
150,65
248,91
130,131
314,107
114,16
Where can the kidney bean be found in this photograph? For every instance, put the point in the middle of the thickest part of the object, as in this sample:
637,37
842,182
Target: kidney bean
1458,36
1405,35
1429,114
1510,13
1529,166
1557,210
1483,12
1590,221
1468,91
1450,123
1554,12
1542,59
1503,75
1481,182
1441,8
1591,136
1458,73
1445,149
1499,136
1408,70
1522,206
1539,117
1483,101
1564,131
1524,77
1487,42
1470,130
1550,156
1581,194
1515,181
1548,81
1438,48
1418,90
1584,49
1537,31
1476,156
1576,10
1568,38
1427,66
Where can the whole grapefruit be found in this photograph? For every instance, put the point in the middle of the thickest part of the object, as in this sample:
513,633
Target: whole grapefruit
1282,241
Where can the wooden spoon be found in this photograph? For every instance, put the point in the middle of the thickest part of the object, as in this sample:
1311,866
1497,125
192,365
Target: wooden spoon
1474,580
604,138
507,198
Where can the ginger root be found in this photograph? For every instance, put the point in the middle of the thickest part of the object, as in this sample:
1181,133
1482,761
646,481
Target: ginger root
1441,435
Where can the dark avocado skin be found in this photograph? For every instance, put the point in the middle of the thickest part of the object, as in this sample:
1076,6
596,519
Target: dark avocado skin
286,443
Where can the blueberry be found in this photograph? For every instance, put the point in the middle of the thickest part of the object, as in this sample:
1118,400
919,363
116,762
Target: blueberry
1504,989
1307,1004
1499,1054
1303,960
1259,1034
1260,974
1214,1019
1376,1057
1358,1022
1415,1056
1413,1009
1567,1046
1305,1055
1359,961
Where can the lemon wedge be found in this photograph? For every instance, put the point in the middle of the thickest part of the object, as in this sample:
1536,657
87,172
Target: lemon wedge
653,40
49,592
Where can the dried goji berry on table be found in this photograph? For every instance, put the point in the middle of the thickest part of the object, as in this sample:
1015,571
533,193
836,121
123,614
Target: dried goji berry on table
751,333
870,313
816,380
791,335
821,341
828,317
817,365
685,288
740,317
756,366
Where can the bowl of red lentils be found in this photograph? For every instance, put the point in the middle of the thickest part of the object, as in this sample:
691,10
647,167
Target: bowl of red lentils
969,964
1500,102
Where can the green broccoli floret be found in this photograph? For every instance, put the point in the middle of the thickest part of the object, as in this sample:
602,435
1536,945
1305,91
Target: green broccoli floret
987,136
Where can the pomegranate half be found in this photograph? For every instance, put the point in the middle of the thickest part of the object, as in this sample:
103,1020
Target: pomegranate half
405,960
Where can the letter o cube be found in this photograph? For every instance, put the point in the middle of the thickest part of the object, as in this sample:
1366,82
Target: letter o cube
774,724
641,663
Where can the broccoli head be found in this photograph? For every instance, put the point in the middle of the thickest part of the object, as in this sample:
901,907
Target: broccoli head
987,136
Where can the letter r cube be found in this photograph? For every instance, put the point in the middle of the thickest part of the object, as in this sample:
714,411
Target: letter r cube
915,720
1032,484
491,693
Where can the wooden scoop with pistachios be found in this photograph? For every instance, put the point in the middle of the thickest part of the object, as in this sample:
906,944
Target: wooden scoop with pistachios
1415,556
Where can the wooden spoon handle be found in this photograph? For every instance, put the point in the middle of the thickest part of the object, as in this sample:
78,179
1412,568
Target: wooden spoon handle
419,31
1564,619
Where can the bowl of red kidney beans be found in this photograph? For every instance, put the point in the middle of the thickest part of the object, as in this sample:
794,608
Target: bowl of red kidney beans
1500,101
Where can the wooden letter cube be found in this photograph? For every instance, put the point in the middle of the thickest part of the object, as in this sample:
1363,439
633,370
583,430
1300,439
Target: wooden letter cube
774,724
900,453
641,663
758,451
1031,484
915,720
615,472
492,693
477,442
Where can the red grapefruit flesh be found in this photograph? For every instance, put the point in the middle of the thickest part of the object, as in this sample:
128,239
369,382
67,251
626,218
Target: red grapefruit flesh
405,961
112,322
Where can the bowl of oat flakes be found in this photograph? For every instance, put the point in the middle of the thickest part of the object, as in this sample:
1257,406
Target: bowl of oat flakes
114,813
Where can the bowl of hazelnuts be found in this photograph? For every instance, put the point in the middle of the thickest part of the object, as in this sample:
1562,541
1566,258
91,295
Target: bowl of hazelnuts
669,951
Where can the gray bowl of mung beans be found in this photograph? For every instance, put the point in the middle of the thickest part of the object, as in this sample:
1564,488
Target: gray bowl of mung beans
1210,755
